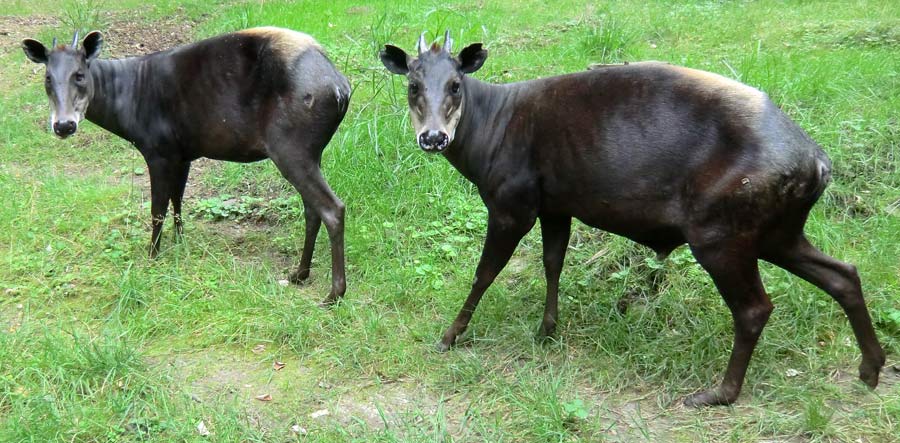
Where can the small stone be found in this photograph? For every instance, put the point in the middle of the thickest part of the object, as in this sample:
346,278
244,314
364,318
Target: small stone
791,373
283,282
201,429
319,413
297,429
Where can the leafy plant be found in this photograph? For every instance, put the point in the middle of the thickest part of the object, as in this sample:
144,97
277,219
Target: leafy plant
575,410
84,15
461,224
227,207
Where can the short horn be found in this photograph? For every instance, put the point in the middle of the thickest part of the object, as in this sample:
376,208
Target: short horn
448,42
53,45
421,46
75,40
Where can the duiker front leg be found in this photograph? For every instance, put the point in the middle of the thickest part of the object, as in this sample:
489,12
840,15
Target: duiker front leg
735,273
503,235
555,233
160,193
179,181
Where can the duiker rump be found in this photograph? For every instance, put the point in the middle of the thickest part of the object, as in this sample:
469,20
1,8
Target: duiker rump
661,154
246,96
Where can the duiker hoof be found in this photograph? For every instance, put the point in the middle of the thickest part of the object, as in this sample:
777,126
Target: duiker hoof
869,373
297,277
441,347
546,331
712,397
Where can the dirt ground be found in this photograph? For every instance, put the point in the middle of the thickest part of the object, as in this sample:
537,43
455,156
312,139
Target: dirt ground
126,34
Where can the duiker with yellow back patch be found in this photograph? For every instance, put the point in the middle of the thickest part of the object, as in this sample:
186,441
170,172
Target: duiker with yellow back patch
245,96
657,153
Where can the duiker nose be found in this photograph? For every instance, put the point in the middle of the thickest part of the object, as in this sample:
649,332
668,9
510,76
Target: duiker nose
431,140
65,128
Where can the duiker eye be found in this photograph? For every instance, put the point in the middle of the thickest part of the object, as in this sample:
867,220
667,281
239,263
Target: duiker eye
454,88
413,88
79,77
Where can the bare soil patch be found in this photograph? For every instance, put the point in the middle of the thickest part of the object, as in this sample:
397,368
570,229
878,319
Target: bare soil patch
130,34
275,400
214,376
395,403
127,33
15,28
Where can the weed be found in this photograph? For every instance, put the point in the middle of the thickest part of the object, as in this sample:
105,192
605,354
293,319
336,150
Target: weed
816,418
84,15
227,207
608,40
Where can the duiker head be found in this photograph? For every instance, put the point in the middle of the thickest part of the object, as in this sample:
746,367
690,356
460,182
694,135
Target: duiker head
67,79
435,93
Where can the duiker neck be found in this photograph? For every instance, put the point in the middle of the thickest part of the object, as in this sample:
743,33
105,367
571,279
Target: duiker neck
487,110
116,88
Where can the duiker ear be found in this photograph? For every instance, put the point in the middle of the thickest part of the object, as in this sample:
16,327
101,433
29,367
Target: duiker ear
471,58
91,45
395,59
34,50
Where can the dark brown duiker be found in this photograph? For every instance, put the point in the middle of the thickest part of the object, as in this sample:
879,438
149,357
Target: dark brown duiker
243,97
660,154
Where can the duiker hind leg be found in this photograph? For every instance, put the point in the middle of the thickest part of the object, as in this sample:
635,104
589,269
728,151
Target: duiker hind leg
841,281
736,276
313,223
300,166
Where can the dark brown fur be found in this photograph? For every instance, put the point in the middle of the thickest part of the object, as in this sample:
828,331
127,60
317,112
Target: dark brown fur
660,154
236,97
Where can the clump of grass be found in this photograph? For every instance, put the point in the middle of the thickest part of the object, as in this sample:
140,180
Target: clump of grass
608,40
60,381
816,418
84,15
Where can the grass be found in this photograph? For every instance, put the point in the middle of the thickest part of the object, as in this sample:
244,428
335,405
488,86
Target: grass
100,344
